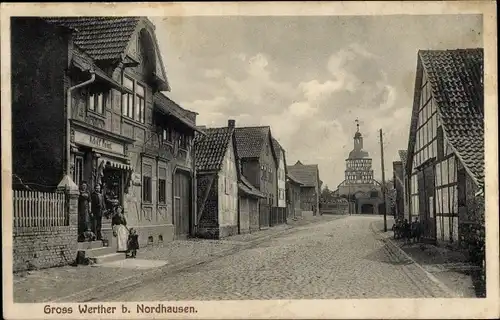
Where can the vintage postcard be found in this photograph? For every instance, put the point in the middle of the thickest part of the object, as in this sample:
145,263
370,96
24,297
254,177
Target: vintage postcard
250,160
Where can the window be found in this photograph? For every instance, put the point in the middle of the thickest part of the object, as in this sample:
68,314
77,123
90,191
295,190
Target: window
162,190
440,143
97,102
183,141
167,135
147,184
140,104
78,170
226,185
162,185
128,98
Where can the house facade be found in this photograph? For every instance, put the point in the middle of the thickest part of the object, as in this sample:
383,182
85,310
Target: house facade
403,154
97,114
398,181
280,174
293,197
249,209
259,164
445,162
217,178
311,186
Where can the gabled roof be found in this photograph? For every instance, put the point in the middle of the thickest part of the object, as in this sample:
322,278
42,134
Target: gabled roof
456,78
107,38
277,148
307,174
250,141
169,107
294,179
211,149
103,38
247,188
403,154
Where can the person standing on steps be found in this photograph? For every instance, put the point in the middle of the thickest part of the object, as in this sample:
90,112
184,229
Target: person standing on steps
97,210
120,231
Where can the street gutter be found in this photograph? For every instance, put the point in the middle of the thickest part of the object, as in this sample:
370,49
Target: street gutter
406,256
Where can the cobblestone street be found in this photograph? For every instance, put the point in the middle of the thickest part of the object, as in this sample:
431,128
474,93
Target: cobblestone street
342,258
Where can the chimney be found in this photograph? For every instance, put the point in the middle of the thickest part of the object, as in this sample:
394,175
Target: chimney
201,127
231,123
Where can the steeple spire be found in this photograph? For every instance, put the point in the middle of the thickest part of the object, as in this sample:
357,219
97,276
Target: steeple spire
357,125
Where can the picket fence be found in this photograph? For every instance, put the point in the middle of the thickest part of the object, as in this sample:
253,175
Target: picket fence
39,209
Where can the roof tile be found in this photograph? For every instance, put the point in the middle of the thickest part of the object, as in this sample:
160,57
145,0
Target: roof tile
211,149
103,38
249,140
456,77
305,173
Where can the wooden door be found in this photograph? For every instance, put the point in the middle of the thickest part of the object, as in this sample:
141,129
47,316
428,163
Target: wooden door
426,189
182,205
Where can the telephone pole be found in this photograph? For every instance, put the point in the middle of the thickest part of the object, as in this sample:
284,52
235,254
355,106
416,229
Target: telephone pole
384,192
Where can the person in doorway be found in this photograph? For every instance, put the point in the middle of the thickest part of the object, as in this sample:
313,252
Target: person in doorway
84,228
97,210
111,201
120,231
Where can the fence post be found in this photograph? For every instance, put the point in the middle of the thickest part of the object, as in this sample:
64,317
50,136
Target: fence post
68,187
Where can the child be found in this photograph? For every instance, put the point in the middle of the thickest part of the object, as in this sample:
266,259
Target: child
133,243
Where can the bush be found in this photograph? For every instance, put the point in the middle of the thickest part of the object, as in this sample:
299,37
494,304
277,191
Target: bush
475,241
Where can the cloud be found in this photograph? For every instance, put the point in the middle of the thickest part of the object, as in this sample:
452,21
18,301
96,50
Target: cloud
213,73
203,106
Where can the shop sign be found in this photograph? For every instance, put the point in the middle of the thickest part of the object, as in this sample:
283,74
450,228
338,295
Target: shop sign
98,142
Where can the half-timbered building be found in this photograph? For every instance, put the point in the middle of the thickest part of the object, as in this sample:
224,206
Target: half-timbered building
217,183
446,144
259,164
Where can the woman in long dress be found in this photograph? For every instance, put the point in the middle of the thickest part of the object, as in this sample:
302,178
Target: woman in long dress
120,231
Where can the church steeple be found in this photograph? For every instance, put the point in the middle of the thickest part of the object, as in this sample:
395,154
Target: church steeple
357,151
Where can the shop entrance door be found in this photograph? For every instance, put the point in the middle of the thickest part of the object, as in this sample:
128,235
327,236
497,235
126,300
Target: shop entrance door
112,184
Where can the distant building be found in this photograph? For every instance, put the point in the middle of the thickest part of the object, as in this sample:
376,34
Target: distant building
259,164
293,197
281,173
403,154
359,187
398,180
308,175
446,144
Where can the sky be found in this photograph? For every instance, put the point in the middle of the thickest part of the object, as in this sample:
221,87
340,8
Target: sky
308,77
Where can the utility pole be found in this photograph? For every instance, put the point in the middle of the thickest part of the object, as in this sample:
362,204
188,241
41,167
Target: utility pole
384,192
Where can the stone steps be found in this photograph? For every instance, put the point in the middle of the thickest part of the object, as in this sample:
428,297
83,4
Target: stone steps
110,257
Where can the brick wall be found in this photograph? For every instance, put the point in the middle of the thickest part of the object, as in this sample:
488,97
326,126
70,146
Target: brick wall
39,248
44,248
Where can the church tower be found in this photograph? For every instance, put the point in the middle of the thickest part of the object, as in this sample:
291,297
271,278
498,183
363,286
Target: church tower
358,164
